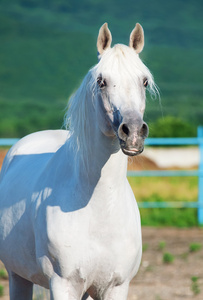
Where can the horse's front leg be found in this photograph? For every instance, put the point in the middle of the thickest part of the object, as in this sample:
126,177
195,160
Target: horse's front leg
119,292
19,288
63,289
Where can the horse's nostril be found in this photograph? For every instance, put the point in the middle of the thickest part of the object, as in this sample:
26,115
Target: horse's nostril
125,129
144,130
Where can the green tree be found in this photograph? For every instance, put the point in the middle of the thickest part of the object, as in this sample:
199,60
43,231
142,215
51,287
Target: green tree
172,127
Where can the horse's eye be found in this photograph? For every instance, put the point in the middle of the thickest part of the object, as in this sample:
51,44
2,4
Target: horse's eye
101,82
145,82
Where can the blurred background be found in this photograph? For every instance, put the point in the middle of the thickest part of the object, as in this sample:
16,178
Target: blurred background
47,46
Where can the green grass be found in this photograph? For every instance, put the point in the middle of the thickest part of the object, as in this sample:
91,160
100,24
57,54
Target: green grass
162,245
145,247
1,290
195,285
3,274
194,247
168,258
174,189
174,217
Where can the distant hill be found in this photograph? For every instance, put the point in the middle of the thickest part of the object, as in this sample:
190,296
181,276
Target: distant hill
48,46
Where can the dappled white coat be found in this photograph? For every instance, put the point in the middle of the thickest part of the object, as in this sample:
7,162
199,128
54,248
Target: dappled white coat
68,218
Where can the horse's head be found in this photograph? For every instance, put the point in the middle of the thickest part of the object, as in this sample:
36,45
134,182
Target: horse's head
122,79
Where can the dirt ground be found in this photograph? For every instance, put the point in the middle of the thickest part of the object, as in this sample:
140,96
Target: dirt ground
2,155
157,280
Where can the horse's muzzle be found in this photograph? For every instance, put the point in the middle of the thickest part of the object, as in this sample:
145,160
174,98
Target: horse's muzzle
131,136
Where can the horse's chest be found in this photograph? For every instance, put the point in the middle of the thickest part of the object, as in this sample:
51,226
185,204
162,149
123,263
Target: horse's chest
98,254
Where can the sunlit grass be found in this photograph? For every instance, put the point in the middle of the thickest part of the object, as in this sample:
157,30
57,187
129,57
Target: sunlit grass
173,189
166,188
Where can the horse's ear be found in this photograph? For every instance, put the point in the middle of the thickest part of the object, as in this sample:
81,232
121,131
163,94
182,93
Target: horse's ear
104,38
137,38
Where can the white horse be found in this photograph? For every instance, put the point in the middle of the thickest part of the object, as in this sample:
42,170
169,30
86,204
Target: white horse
69,221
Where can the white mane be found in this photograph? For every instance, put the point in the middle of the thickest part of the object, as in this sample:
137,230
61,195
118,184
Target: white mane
77,119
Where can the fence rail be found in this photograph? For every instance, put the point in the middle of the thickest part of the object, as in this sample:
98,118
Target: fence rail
173,141
8,142
182,173
165,173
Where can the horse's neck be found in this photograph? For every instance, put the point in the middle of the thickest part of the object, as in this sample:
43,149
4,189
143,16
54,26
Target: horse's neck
99,157
104,163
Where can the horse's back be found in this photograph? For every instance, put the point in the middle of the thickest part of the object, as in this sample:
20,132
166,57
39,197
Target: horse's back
24,163
42,142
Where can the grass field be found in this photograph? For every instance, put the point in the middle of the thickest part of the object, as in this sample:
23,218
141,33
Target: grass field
166,189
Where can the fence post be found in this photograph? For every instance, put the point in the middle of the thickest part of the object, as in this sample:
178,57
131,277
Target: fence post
200,195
